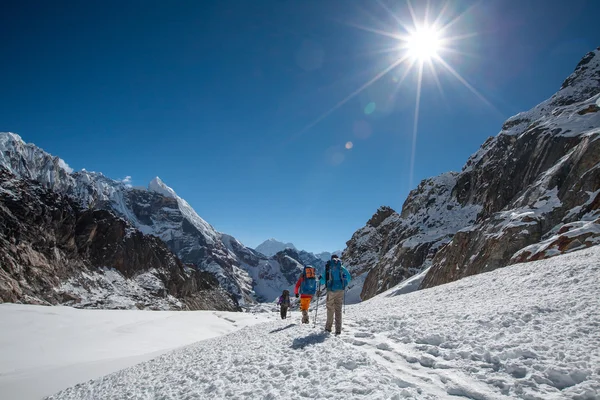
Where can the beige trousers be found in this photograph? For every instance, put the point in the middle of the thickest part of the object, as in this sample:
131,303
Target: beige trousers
335,302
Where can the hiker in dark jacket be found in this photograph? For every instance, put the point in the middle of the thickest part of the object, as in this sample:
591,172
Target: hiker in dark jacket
284,303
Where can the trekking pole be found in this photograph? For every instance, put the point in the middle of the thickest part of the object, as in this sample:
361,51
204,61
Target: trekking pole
345,288
318,296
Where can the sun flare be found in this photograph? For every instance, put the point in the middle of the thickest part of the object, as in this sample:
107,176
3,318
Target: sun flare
424,43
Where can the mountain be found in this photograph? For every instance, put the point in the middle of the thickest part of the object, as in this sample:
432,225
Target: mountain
157,211
52,251
270,275
531,192
325,255
270,247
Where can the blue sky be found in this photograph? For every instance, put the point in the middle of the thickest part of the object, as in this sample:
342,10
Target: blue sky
228,101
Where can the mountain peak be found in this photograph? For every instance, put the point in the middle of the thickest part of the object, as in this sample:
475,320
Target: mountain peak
41,165
272,246
579,87
6,136
583,83
588,67
158,186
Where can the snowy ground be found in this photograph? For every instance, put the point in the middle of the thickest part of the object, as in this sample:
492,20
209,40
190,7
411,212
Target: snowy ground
46,349
529,331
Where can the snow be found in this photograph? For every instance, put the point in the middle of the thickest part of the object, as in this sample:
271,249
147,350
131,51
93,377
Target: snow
107,288
158,186
526,331
46,349
32,162
441,214
355,289
588,231
408,285
65,166
210,234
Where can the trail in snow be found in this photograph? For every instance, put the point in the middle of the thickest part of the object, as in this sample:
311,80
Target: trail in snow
528,331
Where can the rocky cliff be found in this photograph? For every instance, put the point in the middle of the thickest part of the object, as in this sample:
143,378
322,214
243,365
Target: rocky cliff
52,251
530,192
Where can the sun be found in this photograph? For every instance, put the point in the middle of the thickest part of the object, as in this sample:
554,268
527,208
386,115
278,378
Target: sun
424,43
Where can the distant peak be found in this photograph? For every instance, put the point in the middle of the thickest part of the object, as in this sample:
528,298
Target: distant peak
273,246
156,185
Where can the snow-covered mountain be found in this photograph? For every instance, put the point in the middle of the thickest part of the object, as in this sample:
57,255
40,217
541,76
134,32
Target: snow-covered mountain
270,275
54,252
159,211
532,191
270,247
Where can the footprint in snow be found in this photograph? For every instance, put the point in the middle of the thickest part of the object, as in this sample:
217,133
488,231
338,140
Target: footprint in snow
364,335
384,346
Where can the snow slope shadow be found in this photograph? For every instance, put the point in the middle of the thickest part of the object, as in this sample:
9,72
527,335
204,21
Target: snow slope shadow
283,328
313,338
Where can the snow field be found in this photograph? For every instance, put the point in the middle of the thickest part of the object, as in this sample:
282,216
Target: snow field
46,349
528,331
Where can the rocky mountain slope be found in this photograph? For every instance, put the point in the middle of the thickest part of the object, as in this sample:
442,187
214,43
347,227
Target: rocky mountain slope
52,251
532,191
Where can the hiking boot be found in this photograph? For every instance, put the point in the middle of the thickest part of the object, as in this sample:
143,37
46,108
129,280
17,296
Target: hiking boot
327,330
338,332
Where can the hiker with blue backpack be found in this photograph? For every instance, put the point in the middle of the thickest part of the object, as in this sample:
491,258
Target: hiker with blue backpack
336,280
306,287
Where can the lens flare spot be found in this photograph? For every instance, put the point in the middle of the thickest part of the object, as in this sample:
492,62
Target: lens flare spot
349,145
370,108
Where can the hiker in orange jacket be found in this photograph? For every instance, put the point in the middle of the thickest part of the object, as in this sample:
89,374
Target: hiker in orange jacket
306,287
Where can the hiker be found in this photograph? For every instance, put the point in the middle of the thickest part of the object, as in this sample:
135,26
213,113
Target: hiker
284,303
336,280
307,287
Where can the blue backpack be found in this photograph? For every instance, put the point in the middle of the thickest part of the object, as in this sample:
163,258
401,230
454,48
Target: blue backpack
334,277
309,283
